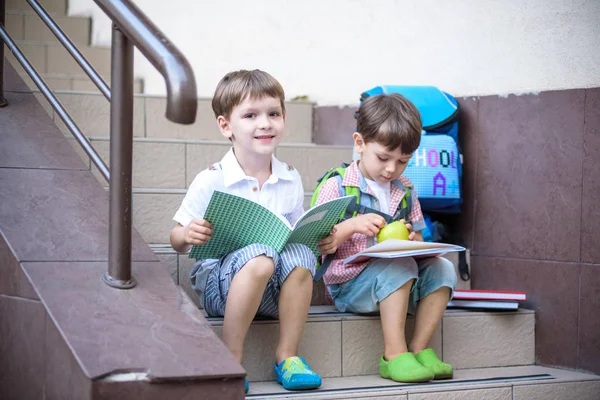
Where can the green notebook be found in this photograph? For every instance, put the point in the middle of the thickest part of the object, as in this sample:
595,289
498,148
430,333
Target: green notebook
238,222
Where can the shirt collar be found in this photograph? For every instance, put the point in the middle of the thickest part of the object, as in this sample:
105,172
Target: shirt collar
233,172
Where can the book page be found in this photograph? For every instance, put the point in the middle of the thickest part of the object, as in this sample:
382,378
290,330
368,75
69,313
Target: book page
318,221
393,248
238,222
399,245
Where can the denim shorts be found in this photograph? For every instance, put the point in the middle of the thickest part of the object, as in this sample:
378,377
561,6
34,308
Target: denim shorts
212,278
383,277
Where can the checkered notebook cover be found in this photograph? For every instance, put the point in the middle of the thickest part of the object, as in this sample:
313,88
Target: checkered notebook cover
238,222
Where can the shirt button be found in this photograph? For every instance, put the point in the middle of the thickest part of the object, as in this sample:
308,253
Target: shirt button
254,189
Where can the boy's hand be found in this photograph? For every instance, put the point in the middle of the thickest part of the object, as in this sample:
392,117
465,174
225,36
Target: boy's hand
411,235
368,224
330,244
199,231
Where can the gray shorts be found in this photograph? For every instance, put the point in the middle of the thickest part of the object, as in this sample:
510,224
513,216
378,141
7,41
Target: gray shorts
383,276
221,274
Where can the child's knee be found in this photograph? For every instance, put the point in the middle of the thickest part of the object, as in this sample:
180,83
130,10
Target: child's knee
300,275
261,267
440,270
447,272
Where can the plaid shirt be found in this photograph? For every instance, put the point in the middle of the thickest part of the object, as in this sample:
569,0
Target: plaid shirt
338,272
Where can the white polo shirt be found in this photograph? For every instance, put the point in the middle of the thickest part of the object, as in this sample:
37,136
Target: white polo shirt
282,193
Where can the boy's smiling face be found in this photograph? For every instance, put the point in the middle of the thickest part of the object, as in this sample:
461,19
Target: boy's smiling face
379,163
255,126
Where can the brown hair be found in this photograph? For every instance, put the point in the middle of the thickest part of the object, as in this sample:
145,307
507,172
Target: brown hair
390,120
236,86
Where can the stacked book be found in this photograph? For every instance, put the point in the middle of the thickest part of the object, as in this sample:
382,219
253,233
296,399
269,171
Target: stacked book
487,299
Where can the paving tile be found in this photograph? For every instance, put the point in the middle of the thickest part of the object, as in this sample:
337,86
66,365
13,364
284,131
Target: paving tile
22,332
205,389
541,133
492,340
589,319
13,24
66,211
63,377
362,345
77,29
316,347
28,139
590,212
334,125
468,138
158,126
14,282
504,393
155,164
151,328
298,122
312,162
558,391
59,61
552,292
153,215
91,113
200,156
12,81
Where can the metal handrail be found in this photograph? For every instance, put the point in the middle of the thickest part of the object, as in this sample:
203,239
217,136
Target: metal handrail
71,48
56,104
130,27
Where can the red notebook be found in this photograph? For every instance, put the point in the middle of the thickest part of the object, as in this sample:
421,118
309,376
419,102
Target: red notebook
489,295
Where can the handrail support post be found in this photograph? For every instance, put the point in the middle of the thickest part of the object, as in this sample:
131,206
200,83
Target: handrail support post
121,150
3,102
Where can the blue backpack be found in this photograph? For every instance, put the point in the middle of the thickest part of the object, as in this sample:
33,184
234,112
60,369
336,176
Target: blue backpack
436,167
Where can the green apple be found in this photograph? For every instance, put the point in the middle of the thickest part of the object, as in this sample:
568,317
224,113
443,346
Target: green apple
393,230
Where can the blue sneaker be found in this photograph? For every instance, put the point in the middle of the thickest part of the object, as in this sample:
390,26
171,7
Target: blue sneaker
295,374
246,386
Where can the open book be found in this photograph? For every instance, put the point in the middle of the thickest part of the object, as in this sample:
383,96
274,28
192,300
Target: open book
394,248
238,222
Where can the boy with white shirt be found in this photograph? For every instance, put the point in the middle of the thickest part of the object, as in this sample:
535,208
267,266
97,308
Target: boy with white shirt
388,132
255,280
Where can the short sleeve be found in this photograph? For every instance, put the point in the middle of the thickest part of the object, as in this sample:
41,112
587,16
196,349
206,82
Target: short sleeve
416,214
329,191
196,199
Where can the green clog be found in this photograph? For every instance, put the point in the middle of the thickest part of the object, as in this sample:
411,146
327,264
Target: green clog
404,368
429,359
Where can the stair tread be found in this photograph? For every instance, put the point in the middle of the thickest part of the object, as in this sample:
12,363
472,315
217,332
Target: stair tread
477,378
325,313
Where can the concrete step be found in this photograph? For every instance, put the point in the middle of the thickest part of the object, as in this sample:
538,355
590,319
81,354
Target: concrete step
52,58
70,82
503,383
91,112
27,25
182,160
53,6
348,345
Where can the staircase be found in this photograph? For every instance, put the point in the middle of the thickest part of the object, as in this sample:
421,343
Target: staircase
48,57
493,353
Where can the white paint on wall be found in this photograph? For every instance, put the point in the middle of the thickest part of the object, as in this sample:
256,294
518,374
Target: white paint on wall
332,50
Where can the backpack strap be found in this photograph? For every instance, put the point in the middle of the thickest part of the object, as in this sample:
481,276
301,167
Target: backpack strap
403,211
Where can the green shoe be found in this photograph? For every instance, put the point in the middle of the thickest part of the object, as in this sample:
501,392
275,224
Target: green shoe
404,368
428,358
